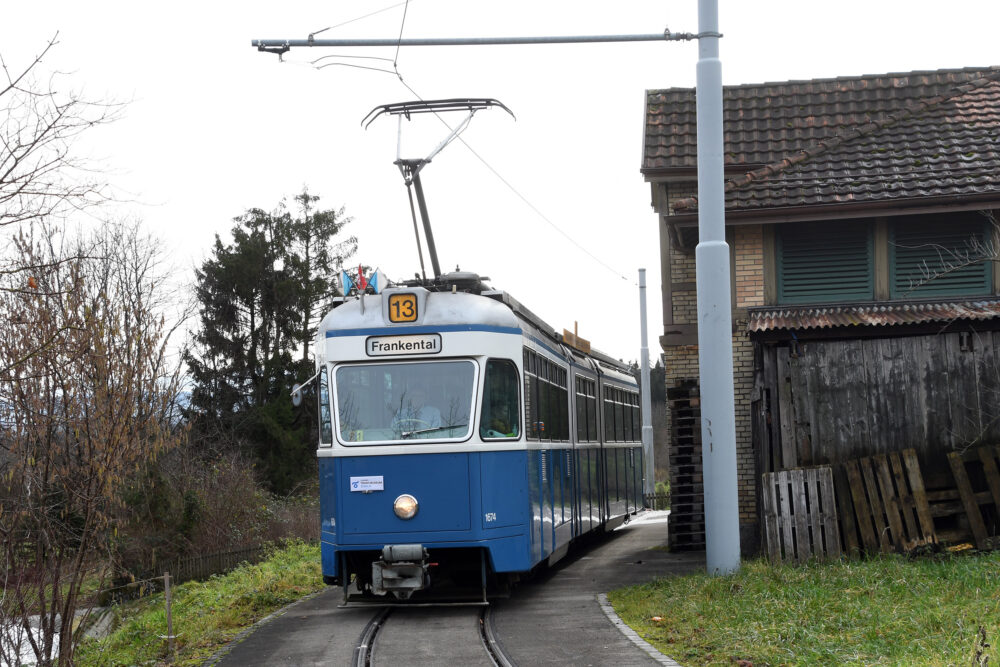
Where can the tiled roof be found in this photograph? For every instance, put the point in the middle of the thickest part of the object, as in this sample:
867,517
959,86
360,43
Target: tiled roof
858,139
767,319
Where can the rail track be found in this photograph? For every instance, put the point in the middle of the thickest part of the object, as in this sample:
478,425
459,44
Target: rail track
430,636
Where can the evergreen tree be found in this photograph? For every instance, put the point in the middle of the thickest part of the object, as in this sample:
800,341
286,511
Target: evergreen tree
318,259
258,296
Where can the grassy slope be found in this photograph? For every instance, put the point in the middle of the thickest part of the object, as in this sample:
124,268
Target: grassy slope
890,610
206,615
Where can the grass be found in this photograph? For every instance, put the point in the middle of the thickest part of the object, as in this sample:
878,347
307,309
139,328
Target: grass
207,615
884,611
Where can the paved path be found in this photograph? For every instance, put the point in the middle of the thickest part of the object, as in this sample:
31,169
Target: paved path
555,619
558,619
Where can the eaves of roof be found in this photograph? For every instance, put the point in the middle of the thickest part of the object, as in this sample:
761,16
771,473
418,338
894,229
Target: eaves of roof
846,209
884,314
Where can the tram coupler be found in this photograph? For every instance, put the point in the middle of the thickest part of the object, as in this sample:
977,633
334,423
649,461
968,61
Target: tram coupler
402,570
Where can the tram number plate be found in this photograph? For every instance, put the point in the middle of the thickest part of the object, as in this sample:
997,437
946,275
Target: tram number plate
491,517
403,308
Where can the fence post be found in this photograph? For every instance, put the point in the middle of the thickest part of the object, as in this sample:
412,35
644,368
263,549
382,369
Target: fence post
170,622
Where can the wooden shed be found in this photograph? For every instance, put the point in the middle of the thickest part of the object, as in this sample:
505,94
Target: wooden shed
861,214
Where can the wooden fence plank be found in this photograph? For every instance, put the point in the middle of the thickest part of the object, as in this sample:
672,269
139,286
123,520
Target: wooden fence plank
878,513
845,510
771,389
905,498
789,455
919,495
986,455
786,515
815,511
889,501
863,510
968,499
831,528
770,517
798,492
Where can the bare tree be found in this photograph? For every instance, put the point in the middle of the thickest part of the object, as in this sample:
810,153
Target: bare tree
87,393
40,174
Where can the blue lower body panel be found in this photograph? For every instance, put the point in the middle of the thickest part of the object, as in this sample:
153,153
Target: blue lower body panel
516,508
466,500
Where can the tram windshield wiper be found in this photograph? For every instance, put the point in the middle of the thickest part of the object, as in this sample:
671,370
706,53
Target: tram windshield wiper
407,434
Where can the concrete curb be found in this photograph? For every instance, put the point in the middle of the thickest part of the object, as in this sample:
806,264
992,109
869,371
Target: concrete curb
648,648
221,653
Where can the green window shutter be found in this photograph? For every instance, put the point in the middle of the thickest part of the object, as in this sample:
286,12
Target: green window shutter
930,256
825,262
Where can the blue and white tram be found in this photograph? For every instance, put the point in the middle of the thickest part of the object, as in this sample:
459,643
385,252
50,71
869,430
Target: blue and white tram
462,441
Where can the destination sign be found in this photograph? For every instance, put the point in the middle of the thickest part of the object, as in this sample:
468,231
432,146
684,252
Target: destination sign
383,346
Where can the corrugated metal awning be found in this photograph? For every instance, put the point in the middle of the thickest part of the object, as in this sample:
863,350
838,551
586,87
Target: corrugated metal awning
885,314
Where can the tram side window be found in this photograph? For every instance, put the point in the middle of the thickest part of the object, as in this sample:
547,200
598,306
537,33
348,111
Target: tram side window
325,423
531,394
627,416
546,398
636,420
501,412
592,433
544,401
586,410
609,416
619,416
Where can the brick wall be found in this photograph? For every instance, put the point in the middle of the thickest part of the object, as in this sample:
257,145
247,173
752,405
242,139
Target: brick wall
749,250
682,360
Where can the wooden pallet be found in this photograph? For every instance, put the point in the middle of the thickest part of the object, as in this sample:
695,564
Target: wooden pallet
800,515
972,500
890,506
687,510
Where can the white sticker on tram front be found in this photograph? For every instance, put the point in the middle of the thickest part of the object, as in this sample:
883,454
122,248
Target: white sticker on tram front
372,483
378,346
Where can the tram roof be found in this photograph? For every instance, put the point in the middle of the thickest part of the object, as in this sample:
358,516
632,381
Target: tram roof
482,306
459,308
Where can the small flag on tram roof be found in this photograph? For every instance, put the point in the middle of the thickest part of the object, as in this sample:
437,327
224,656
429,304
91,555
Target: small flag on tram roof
362,283
346,284
378,281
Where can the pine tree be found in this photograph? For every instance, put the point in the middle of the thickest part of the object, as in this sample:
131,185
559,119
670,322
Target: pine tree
318,260
258,297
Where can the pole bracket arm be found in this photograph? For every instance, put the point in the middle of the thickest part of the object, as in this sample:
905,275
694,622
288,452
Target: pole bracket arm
278,50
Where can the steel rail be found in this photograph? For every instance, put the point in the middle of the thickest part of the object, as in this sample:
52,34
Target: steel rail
363,650
491,641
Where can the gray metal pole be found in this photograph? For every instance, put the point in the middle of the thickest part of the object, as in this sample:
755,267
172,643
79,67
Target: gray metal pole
665,36
428,234
649,479
715,326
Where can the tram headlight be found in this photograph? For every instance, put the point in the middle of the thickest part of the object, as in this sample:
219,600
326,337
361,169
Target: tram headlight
405,506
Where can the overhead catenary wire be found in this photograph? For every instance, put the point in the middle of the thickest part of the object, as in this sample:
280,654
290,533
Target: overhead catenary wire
312,35
399,41
667,35
490,167
517,193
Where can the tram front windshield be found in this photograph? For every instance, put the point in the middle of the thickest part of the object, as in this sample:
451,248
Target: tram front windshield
405,401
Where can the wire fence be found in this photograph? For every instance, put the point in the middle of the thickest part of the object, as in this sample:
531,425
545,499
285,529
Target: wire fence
657,501
187,568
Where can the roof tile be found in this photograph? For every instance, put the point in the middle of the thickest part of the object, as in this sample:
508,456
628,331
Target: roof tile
852,139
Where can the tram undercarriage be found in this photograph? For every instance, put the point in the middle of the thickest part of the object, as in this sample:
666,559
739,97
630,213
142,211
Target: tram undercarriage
410,573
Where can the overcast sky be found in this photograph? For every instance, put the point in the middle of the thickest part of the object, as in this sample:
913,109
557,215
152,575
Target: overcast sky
214,127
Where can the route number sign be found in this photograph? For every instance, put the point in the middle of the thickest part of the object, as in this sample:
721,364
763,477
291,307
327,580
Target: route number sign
403,308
